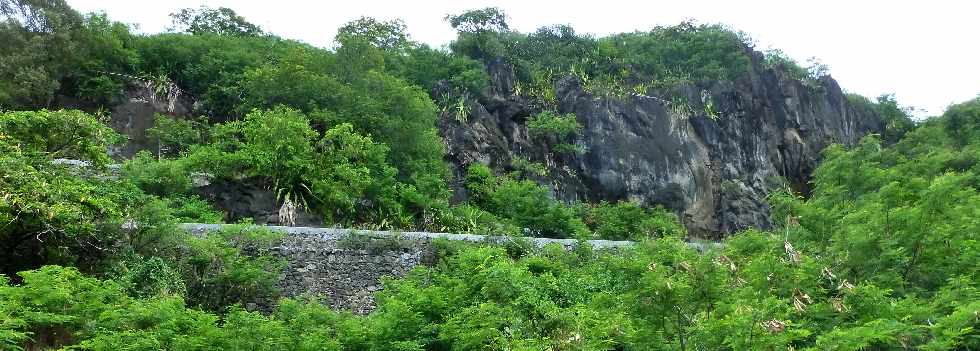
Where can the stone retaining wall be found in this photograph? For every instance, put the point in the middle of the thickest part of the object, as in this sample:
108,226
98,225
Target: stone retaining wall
345,267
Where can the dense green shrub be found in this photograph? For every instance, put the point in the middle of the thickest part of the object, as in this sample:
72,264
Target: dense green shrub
57,306
557,130
209,67
174,136
528,205
962,121
56,49
152,277
206,20
687,52
341,174
660,295
628,221
524,204
53,212
157,177
341,90
661,58
192,209
466,218
228,267
68,134
882,255
809,76
550,124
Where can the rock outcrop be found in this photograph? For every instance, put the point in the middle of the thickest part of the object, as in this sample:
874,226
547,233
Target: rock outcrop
713,159
249,198
134,113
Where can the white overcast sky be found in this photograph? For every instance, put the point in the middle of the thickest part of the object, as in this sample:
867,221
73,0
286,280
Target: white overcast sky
926,52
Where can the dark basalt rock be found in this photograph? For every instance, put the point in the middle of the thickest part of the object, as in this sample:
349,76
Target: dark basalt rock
715,171
248,198
134,113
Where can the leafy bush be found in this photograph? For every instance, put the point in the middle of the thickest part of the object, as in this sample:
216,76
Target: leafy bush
153,277
57,49
526,204
158,177
209,67
962,121
173,136
898,216
192,209
220,21
55,213
558,130
339,90
897,119
57,306
427,67
343,175
750,294
70,134
809,76
548,123
882,255
230,266
465,218
628,221
351,167
684,52
276,144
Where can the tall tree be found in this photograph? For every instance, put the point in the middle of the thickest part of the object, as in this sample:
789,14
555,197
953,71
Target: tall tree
220,21
38,41
385,35
490,19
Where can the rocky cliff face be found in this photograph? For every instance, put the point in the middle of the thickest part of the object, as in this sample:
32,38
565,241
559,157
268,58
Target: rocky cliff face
713,160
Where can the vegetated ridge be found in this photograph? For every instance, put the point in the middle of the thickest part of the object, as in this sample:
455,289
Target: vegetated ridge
844,224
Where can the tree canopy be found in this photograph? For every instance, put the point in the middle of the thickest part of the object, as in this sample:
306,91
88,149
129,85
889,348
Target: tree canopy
206,20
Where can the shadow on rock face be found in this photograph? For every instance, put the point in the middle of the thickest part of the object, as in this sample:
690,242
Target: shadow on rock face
248,198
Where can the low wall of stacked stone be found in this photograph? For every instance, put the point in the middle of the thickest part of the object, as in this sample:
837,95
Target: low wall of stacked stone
345,267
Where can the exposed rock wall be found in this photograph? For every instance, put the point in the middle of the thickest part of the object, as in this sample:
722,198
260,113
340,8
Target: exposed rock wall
134,113
713,160
249,198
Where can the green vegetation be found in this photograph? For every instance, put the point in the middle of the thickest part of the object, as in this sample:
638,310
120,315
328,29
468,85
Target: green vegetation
524,202
56,213
809,76
661,58
629,221
895,117
882,255
220,21
173,136
557,130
